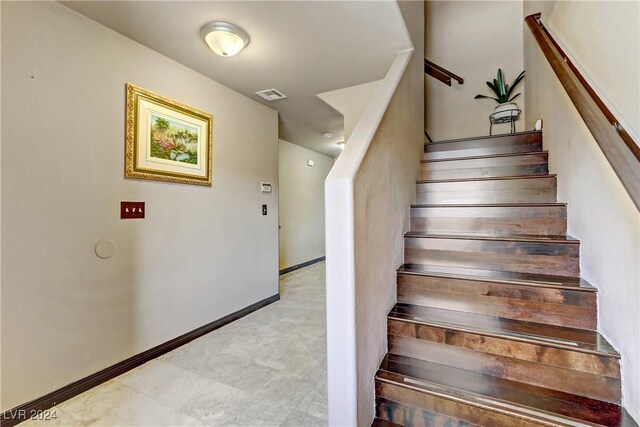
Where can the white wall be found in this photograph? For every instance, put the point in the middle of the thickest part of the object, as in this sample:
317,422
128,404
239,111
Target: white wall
301,204
471,39
384,189
600,213
351,102
368,194
200,254
603,39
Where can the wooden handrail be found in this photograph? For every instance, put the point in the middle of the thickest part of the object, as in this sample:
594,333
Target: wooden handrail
617,145
441,73
426,134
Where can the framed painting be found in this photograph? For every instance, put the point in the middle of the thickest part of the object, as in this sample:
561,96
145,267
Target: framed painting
167,140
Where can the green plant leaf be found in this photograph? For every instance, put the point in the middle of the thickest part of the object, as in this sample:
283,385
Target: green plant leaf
514,97
494,89
501,89
501,82
487,97
515,83
497,90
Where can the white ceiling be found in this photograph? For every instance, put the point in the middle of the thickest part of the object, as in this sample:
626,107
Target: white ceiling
301,48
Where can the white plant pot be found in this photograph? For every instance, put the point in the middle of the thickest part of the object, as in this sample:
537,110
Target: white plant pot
505,110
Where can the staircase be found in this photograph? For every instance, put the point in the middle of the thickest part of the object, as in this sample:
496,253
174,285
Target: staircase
493,325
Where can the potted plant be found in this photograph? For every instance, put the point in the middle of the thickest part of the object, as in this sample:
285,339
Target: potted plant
503,93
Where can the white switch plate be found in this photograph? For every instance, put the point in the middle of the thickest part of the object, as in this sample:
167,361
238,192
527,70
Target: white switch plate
310,163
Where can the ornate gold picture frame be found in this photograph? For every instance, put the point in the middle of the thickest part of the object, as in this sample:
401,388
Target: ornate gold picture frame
166,140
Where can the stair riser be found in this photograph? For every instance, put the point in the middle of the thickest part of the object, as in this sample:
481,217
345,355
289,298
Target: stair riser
560,259
487,167
496,221
523,362
406,415
484,147
530,190
400,369
402,402
510,308
488,288
576,339
526,351
428,173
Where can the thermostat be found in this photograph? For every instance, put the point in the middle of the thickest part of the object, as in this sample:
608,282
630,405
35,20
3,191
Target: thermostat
265,187
310,163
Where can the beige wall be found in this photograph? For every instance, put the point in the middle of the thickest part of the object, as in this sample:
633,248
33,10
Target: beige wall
603,39
350,325
471,39
301,204
200,254
368,194
384,188
600,212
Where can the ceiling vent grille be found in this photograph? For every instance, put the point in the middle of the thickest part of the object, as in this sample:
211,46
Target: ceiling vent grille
271,94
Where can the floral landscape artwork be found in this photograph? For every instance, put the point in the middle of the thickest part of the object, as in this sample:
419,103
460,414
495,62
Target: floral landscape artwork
173,141
167,140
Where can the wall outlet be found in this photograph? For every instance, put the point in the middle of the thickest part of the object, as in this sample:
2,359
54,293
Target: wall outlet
130,210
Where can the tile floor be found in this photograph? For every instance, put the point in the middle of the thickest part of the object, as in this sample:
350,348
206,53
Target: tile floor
266,369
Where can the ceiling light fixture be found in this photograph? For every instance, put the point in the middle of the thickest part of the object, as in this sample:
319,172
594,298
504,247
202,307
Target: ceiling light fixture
224,38
327,135
341,145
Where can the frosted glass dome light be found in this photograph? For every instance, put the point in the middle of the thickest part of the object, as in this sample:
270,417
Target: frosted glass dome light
224,38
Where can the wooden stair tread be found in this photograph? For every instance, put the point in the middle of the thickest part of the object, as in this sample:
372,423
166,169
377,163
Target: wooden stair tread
377,422
485,156
490,178
479,146
478,236
488,205
519,399
525,279
580,340
474,138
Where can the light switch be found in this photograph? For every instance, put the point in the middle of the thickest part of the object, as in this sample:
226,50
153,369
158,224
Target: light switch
130,210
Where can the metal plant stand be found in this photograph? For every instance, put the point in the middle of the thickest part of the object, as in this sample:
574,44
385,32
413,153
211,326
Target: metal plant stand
506,116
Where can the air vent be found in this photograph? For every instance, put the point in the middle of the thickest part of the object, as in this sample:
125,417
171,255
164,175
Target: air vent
271,94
